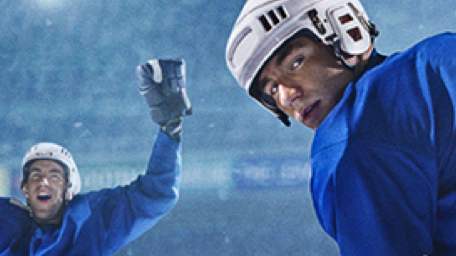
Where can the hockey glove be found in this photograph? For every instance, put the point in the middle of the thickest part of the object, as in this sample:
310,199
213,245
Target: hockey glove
163,87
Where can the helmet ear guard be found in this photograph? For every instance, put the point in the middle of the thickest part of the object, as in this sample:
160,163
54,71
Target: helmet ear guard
351,28
263,26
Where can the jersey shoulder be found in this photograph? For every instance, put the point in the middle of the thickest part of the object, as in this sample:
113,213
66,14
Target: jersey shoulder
435,48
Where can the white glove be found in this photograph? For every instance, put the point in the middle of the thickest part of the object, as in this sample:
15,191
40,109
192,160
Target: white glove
163,87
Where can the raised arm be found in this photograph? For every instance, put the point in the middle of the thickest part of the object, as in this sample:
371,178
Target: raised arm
125,213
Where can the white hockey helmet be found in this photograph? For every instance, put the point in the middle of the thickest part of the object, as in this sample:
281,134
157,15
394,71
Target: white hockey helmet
52,151
264,25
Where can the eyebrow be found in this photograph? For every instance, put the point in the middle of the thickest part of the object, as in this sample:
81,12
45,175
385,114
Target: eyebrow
286,50
282,54
57,170
35,169
54,170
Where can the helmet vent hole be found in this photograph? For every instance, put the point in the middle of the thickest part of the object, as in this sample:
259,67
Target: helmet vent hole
282,12
272,18
266,25
355,34
345,18
313,15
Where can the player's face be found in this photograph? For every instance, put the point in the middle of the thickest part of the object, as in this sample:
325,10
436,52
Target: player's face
305,79
45,191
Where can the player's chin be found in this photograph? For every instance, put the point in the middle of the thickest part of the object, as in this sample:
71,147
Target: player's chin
307,121
310,125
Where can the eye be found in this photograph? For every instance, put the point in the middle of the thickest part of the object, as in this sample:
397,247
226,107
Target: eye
273,89
35,176
297,63
56,176
270,89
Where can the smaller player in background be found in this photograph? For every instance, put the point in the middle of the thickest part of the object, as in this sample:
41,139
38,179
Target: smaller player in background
57,220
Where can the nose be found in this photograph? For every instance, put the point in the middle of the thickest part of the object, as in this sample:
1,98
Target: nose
286,95
44,181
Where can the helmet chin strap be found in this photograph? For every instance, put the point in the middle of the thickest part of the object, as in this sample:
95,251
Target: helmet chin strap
284,118
340,55
357,69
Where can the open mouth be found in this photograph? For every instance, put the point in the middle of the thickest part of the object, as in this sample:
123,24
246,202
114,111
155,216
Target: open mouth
309,109
44,198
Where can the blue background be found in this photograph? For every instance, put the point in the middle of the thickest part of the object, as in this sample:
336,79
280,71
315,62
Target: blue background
67,75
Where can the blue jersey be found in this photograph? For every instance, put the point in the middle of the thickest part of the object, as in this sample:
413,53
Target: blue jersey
384,159
99,222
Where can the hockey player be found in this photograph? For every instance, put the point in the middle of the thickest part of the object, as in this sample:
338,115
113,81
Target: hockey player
59,221
383,161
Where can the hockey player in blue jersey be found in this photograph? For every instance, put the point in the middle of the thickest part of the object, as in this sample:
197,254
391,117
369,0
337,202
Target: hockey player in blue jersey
383,155
57,220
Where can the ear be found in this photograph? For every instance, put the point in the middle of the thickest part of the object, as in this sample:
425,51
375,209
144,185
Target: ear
25,189
68,194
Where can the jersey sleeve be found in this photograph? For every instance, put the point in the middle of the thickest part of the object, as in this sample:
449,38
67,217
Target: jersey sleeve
14,222
120,215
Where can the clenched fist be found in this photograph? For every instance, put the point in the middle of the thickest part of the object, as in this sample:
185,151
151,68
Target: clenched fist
163,87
